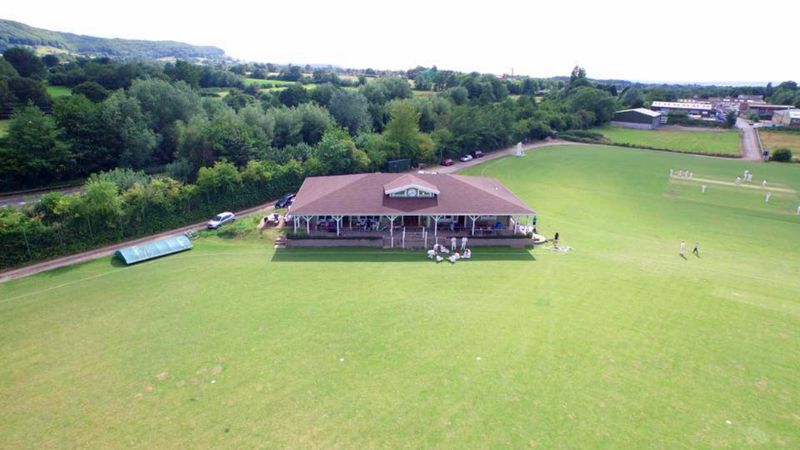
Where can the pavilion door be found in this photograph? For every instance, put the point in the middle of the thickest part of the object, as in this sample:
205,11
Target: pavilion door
411,221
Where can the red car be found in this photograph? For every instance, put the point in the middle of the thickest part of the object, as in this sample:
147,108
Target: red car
447,162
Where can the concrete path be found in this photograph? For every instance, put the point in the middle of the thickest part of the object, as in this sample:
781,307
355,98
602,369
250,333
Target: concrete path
751,151
19,200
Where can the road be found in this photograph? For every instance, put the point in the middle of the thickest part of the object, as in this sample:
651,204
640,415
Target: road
510,151
110,249
19,200
751,151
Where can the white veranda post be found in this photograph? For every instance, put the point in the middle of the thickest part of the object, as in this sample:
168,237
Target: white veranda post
436,226
308,223
391,228
294,222
338,220
473,218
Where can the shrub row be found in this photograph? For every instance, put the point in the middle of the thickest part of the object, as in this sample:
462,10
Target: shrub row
60,224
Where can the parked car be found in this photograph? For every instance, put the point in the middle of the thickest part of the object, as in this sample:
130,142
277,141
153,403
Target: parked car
465,158
285,201
477,154
220,220
447,162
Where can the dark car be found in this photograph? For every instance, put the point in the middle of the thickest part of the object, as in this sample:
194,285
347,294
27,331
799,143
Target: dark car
285,201
477,154
447,162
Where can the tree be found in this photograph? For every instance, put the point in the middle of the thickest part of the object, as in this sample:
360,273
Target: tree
293,95
730,119
338,154
593,100
122,116
633,98
291,73
7,70
351,111
459,95
163,104
50,60
101,203
323,93
123,179
184,71
221,178
403,130
25,61
91,141
577,78
28,90
91,90
377,149
315,121
35,156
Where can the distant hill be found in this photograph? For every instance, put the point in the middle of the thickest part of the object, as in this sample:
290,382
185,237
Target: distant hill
16,33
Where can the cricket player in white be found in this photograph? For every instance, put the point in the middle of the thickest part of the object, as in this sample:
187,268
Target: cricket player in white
683,248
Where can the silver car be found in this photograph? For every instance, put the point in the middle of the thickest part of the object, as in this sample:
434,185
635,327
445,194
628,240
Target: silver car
220,220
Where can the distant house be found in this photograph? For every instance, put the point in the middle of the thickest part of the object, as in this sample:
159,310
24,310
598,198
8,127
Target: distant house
696,109
788,117
766,111
641,118
750,98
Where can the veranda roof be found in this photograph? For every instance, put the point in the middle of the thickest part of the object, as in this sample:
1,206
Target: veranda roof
364,194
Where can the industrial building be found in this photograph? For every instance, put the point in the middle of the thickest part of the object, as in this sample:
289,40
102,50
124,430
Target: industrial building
766,111
789,118
640,118
692,109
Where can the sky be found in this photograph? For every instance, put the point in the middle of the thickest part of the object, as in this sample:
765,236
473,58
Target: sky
669,40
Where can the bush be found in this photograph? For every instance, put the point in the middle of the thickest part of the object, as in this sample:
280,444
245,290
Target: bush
782,155
585,136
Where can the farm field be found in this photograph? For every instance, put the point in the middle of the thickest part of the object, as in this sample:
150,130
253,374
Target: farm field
619,343
725,142
58,91
774,139
268,83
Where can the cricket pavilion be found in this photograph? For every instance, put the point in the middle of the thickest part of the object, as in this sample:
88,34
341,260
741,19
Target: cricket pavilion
409,210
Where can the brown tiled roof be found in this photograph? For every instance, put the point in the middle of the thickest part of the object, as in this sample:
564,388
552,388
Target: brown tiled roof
363,194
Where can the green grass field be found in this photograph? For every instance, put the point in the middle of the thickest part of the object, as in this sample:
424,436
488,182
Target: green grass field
58,91
724,142
267,83
619,343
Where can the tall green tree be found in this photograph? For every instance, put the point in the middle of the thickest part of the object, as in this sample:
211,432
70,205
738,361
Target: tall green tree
122,116
351,111
338,154
35,155
403,130
26,62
